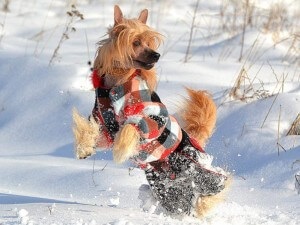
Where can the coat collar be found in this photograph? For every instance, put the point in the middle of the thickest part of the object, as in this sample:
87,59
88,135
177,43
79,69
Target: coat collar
98,81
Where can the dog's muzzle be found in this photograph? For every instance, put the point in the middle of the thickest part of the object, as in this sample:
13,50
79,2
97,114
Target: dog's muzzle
155,56
146,59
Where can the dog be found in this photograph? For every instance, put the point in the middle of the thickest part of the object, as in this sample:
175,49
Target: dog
129,117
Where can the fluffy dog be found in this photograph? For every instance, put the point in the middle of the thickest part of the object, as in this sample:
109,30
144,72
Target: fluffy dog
130,118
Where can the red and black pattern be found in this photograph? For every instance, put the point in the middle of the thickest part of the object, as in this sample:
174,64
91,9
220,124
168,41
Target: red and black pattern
103,111
133,103
177,168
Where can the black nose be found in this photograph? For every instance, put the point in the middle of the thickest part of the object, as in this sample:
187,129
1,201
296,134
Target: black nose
155,56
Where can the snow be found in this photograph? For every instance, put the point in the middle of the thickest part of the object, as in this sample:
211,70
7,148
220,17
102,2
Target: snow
41,182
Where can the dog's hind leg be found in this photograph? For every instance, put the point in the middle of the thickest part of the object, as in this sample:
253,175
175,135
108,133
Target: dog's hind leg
199,115
207,203
86,133
126,143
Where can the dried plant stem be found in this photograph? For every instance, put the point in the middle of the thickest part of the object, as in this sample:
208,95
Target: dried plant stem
243,129
55,53
297,182
237,85
5,7
63,37
273,71
3,26
129,170
94,172
94,182
72,16
278,129
295,128
280,88
244,29
43,28
269,110
191,32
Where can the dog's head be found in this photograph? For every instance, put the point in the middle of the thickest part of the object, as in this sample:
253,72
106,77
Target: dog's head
131,44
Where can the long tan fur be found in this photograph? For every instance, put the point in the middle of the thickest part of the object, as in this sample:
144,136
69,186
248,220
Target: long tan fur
199,115
126,142
86,134
114,54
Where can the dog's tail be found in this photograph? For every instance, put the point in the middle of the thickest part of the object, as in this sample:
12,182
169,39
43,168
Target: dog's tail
199,115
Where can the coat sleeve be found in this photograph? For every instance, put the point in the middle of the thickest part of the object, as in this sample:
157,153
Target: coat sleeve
133,105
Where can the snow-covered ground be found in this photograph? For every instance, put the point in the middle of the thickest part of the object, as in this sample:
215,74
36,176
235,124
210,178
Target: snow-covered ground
42,183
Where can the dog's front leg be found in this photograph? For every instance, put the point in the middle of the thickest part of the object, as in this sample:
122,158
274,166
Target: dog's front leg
86,133
126,142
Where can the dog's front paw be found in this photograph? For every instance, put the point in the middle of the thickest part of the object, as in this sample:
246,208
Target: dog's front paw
126,143
84,152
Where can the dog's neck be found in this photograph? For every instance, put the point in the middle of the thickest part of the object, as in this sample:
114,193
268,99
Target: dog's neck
117,77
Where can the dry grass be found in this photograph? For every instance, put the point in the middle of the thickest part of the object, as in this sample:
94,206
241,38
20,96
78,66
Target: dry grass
236,15
72,16
187,54
295,127
244,88
5,6
297,182
278,20
2,26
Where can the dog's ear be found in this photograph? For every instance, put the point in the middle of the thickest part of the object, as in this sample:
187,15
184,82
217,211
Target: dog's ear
143,16
118,15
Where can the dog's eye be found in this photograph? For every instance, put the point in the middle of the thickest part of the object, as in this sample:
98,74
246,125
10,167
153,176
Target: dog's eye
137,43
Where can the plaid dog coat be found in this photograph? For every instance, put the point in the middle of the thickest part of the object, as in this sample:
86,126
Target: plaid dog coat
177,168
133,103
